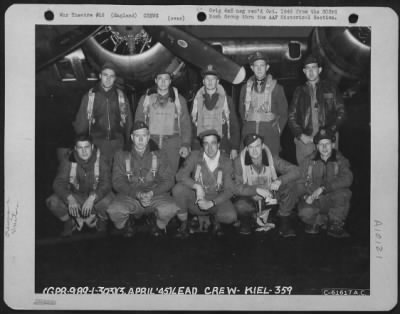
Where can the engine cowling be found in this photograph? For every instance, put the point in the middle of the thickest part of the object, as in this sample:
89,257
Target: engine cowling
135,62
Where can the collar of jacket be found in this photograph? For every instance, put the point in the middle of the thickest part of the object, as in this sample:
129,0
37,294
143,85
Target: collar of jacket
256,80
99,88
248,161
153,90
320,85
332,158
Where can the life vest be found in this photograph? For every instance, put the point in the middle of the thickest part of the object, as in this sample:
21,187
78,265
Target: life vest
121,104
72,173
257,105
251,177
150,175
309,180
161,120
216,185
205,119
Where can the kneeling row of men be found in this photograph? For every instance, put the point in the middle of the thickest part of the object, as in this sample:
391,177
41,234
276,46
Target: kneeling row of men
206,185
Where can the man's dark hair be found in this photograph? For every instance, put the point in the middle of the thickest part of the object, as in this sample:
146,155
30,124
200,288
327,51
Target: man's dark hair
216,136
83,138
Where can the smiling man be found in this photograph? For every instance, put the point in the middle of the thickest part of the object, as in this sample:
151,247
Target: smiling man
82,188
316,104
205,184
165,112
105,114
324,187
263,106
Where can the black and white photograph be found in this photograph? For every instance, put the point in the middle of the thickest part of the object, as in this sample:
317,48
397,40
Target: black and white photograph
173,164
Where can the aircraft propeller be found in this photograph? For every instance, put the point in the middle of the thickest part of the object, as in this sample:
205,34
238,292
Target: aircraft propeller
195,51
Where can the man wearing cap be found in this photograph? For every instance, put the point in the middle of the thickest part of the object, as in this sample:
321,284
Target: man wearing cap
214,109
324,187
263,105
82,188
205,184
315,104
105,114
261,177
166,113
142,178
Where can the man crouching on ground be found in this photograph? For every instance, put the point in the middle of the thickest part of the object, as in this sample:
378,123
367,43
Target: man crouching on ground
142,178
325,181
256,178
205,184
82,188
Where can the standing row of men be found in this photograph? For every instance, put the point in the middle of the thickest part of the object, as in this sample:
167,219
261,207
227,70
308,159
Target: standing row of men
143,176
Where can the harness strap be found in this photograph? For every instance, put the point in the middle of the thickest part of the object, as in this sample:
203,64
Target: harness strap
121,104
247,169
90,109
154,164
128,167
310,169
178,108
270,85
197,176
72,175
96,170
225,110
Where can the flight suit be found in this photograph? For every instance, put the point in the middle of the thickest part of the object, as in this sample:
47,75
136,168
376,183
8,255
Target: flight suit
218,187
83,183
219,113
169,123
248,178
133,173
336,177
256,100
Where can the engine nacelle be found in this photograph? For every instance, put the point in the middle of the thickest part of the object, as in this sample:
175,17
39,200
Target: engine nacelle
345,51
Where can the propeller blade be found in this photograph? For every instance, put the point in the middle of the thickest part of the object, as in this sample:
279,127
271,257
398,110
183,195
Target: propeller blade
197,52
54,42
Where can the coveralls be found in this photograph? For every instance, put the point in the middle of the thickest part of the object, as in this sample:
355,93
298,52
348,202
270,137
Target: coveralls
83,185
218,187
336,177
249,177
134,173
168,121
258,98
219,113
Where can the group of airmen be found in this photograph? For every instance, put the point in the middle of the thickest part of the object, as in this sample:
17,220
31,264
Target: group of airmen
123,168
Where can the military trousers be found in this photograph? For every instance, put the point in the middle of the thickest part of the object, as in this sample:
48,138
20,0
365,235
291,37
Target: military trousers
60,208
333,206
123,206
186,199
286,197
